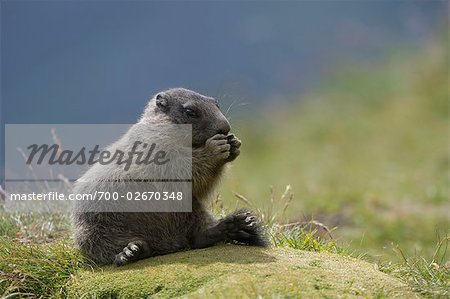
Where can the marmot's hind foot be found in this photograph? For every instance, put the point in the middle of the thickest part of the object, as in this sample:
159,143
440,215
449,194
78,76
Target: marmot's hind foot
245,228
133,251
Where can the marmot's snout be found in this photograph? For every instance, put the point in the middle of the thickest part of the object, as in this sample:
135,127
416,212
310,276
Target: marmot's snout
223,127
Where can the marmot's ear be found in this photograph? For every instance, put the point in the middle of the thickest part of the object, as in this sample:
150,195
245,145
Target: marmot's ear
161,101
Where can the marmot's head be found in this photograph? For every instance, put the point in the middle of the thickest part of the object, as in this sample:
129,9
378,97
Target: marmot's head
184,106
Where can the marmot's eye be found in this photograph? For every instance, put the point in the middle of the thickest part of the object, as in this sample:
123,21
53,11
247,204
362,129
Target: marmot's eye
190,112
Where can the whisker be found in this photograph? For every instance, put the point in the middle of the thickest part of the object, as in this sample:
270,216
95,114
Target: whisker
229,108
233,104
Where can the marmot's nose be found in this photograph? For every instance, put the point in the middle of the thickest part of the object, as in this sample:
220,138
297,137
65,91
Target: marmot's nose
224,127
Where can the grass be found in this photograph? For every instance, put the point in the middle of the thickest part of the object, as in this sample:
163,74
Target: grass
321,266
231,271
37,270
34,268
429,277
36,256
34,227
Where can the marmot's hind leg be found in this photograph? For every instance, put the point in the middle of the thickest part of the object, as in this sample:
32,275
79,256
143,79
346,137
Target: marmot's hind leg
241,227
135,250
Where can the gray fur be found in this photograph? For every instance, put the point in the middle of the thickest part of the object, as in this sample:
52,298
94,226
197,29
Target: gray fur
119,238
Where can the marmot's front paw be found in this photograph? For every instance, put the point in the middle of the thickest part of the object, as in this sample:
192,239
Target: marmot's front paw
218,147
223,148
234,149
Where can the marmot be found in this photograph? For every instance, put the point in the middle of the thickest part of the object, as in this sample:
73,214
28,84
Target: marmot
121,237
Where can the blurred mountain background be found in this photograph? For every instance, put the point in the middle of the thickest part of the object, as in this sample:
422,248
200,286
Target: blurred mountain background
100,61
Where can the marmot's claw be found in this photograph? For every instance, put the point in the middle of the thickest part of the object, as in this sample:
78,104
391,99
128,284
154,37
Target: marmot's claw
233,141
235,144
250,219
245,228
129,253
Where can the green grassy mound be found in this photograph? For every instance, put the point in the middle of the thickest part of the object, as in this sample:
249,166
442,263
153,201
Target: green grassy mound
240,271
